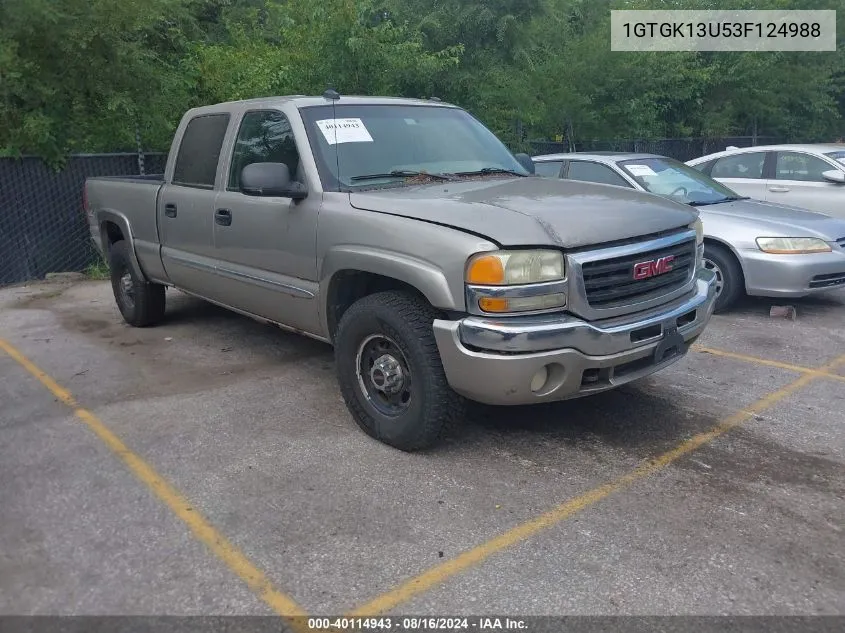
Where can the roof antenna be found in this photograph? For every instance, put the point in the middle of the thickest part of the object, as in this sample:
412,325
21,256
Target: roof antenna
334,96
434,99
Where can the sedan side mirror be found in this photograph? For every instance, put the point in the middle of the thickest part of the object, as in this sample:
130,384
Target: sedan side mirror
525,161
271,179
834,175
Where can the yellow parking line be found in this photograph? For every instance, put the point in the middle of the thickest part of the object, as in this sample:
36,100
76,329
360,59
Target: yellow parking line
234,559
820,373
470,558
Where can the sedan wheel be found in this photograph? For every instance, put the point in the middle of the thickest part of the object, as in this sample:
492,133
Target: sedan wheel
729,280
709,264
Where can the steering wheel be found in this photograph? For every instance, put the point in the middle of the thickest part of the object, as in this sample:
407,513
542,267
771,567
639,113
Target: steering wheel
684,189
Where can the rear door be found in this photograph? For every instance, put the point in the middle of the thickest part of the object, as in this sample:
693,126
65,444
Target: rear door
186,205
265,246
744,173
798,181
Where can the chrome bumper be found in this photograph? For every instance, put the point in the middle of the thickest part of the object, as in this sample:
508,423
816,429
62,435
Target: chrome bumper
495,360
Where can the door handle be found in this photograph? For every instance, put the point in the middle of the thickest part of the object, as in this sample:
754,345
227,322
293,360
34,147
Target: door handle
779,189
223,217
170,210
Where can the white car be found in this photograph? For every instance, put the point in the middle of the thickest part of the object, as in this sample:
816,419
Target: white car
807,176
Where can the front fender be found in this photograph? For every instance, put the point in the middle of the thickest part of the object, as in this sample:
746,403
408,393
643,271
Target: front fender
421,274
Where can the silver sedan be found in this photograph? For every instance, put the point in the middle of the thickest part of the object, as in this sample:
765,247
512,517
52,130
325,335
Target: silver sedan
807,176
754,247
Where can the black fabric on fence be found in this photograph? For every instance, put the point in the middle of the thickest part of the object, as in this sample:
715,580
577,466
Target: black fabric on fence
42,225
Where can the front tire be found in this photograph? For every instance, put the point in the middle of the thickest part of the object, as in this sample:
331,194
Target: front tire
141,303
390,373
729,279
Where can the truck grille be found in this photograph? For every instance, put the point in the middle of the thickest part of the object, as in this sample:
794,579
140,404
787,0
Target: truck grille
610,283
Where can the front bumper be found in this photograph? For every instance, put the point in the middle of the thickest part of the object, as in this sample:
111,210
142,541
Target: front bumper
495,360
792,275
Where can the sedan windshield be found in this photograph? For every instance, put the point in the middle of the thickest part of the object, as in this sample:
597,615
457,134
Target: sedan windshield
672,179
358,146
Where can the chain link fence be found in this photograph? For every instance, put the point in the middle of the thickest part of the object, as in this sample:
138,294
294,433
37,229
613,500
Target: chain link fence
43,228
42,225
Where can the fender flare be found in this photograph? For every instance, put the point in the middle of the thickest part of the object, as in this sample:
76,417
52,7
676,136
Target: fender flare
429,280
116,217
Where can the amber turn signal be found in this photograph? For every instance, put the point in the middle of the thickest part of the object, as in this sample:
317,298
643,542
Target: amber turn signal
486,270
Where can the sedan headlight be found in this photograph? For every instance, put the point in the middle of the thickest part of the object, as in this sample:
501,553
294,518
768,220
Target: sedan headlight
792,245
699,231
516,281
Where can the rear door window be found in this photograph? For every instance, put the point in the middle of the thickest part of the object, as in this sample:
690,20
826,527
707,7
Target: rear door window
548,168
199,151
588,171
748,165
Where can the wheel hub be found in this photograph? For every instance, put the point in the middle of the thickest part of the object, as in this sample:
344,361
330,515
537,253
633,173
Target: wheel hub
384,375
387,374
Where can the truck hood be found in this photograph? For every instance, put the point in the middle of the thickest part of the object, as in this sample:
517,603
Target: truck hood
532,211
787,221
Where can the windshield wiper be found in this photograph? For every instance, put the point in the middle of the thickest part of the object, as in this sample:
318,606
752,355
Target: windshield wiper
402,173
704,203
490,170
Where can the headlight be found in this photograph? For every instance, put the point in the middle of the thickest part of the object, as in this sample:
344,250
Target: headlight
699,231
508,268
792,245
516,281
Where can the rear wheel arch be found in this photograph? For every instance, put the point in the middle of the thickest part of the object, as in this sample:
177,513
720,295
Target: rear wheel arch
114,228
110,233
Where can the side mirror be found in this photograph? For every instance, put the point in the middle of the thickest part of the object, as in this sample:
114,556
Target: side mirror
834,175
525,161
271,179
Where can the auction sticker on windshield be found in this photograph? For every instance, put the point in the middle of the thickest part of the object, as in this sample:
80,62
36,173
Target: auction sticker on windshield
640,170
344,131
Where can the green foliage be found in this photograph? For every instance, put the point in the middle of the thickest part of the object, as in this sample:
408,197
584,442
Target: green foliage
90,75
97,269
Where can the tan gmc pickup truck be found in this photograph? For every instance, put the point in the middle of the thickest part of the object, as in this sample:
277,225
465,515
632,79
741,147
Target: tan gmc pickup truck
405,234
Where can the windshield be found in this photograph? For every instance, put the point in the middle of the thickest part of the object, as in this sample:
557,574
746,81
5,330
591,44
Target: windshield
672,179
365,146
839,156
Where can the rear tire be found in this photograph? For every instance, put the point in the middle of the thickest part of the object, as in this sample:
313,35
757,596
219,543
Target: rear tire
390,373
730,285
141,303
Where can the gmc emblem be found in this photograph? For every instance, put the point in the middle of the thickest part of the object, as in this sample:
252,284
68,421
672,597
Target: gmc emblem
652,268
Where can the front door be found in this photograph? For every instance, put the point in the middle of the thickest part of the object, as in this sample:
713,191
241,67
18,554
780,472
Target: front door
798,182
265,246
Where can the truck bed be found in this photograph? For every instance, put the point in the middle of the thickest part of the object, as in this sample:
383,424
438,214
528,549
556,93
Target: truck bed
133,197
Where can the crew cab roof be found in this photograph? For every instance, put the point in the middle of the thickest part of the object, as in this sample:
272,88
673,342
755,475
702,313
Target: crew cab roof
305,101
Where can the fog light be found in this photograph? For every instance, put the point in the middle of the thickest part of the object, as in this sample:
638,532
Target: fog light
539,379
